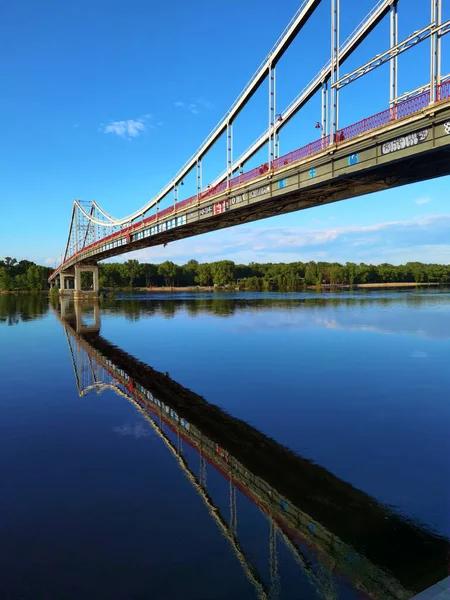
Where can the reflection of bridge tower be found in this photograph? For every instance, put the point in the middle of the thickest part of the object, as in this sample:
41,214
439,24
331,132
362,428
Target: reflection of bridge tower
89,374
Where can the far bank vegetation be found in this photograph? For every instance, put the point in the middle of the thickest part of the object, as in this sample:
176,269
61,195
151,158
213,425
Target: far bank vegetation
27,276
266,276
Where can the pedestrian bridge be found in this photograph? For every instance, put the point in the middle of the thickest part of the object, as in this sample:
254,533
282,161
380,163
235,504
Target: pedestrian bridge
407,142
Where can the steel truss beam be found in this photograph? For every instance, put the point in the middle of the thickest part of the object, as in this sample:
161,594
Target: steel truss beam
380,10
70,233
229,150
435,50
272,108
381,59
199,177
419,90
334,105
393,65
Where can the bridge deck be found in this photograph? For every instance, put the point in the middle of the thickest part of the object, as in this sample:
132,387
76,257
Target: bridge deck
407,150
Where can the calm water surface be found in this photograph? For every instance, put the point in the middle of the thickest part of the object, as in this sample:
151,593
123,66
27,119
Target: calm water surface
225,446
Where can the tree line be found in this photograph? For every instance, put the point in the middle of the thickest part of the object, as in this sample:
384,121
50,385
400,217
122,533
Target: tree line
23,275
28,276
266,276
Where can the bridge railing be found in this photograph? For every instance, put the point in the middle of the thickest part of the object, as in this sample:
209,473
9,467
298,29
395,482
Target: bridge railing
303,152
399,111
443,92
187,202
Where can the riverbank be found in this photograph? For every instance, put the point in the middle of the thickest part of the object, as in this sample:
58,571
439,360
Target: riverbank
231,288
398,284
228,288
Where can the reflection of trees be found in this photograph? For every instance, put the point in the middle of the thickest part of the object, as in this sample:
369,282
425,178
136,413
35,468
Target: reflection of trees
222,305
22,307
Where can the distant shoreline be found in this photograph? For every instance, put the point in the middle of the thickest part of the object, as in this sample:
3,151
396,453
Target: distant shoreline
326,286
203,289
378,285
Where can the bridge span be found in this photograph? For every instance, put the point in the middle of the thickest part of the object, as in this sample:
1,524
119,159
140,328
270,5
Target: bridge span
407,142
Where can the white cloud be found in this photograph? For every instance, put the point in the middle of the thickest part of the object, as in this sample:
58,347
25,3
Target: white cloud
126,129
423,239
195,107
204,103
425,200
131,128
51,261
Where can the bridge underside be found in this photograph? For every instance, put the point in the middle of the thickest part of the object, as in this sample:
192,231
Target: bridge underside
411,170
407,151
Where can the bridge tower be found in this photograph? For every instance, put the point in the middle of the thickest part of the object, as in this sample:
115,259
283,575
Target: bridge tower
87,225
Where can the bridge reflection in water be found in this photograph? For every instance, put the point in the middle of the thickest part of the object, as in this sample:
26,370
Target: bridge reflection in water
336,533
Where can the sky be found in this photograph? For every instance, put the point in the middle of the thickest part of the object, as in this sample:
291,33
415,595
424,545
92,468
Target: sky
107,100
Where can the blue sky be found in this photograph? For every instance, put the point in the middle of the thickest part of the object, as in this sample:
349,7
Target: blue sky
106,100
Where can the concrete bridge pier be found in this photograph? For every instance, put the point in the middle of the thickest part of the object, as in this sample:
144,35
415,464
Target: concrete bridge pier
64,282
79,292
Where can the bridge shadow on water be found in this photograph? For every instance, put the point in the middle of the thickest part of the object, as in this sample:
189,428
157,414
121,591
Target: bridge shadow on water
334,531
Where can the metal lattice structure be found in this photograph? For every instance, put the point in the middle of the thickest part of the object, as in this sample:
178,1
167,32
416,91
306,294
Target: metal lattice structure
88,224
91,225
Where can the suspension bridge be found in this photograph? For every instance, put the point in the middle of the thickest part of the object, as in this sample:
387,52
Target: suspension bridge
334,531
407,142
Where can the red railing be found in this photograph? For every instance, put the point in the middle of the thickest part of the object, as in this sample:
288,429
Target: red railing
149,219
213,191
443,92
163,213
186,202
302,152
399,111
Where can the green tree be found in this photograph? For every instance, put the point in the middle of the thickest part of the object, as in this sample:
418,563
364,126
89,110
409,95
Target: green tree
6,280
169,271
204,274
150,274
130,271
36,278
189,271
222,272
351,272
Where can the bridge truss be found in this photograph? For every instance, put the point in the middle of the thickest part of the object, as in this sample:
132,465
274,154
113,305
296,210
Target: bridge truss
90,223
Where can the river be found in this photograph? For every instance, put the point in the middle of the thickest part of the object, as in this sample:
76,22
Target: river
247,445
